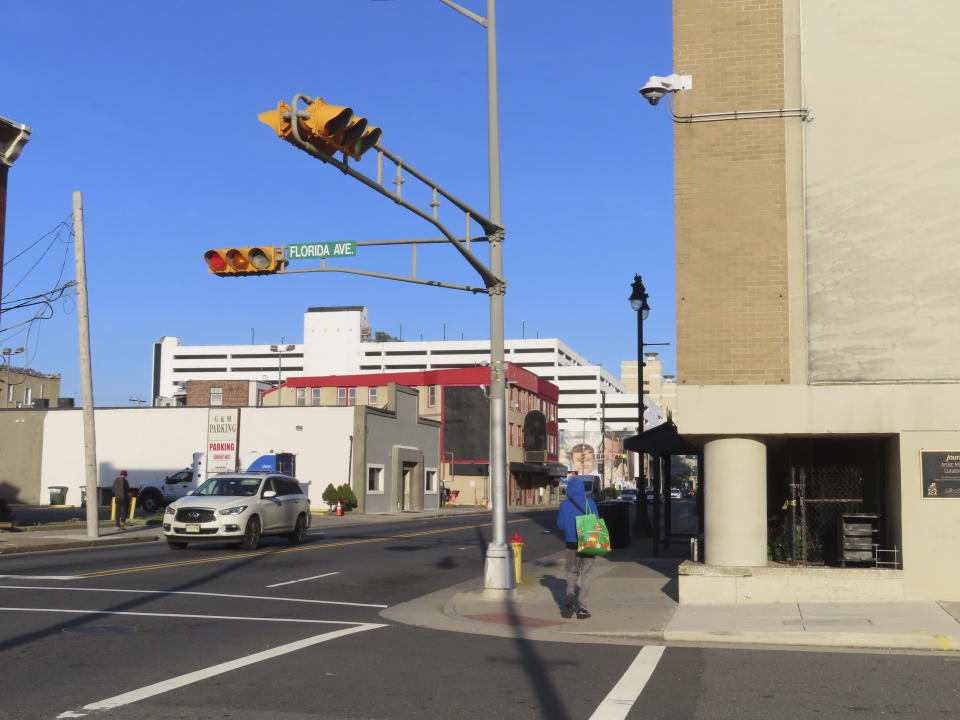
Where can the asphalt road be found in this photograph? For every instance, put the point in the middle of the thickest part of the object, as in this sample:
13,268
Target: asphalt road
214,632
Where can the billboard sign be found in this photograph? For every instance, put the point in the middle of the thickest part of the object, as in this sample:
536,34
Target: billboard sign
223,436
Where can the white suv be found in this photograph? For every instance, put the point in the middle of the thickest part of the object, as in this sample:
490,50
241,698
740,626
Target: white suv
241,507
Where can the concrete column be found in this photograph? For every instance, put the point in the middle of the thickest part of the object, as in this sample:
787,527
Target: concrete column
735,502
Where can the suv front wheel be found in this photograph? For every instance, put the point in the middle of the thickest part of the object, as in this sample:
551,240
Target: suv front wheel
251,536
299,533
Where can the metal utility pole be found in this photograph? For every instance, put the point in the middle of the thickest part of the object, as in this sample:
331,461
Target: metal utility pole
332,129
498,573
86,374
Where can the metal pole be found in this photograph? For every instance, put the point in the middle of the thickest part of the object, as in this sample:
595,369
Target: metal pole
86,374
498,573
667,501
657,499
603,438
793,516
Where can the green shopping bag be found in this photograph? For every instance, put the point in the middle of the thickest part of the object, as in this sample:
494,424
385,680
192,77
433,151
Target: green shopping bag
593,538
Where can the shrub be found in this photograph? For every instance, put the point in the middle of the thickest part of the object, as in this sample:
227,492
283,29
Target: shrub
330,495
611,493
347,497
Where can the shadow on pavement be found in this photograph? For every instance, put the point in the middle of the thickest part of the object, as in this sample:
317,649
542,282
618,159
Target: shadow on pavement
549,702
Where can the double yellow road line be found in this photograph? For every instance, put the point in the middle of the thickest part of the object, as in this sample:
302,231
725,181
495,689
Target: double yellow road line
278,551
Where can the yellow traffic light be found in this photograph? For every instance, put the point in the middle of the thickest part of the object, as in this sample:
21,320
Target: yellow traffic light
245,261
331,128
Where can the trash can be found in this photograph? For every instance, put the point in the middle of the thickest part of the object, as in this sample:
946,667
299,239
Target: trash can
617,517
58,495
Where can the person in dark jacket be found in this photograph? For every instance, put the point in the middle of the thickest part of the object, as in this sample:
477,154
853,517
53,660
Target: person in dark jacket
121,491
577,566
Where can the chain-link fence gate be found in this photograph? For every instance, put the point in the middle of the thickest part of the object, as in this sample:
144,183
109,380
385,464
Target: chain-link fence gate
829,478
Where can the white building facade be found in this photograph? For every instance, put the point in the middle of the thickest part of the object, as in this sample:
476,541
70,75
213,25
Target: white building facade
337,342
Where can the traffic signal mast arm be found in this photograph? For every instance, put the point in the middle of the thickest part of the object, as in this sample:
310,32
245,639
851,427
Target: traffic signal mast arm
323,128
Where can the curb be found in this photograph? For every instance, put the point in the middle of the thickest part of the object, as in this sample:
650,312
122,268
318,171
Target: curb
875,641
74,544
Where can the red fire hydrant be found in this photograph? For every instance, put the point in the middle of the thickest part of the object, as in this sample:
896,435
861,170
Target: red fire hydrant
339,509
516,542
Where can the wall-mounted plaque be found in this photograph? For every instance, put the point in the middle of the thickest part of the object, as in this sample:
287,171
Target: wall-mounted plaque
940,473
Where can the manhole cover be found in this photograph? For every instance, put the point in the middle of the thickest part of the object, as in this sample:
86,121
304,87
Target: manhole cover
100,630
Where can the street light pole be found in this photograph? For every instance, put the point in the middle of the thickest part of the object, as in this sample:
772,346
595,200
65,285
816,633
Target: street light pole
498,572
280,351
638,302
8,354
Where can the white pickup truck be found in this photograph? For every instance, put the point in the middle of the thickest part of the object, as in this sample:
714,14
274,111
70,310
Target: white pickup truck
153,495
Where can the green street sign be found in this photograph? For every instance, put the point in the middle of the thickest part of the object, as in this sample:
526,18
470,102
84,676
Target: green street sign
310,251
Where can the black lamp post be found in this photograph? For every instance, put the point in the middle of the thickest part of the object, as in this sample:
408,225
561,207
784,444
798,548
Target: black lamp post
638,302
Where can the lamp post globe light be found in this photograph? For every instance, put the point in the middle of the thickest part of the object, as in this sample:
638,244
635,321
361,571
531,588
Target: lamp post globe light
638,303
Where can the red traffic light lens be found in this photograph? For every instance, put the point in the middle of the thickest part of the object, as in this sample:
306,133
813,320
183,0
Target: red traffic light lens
214,260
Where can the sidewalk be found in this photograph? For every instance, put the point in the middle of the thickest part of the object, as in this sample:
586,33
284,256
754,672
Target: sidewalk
633,602
38,540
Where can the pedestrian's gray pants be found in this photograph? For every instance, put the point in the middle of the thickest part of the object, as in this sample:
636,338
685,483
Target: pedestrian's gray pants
578,572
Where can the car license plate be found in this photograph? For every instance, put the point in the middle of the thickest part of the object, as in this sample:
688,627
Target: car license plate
193,528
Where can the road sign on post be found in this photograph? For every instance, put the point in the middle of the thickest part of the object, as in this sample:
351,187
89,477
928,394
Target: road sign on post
309,251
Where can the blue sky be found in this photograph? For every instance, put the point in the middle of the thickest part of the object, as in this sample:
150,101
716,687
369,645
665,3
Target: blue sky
150,110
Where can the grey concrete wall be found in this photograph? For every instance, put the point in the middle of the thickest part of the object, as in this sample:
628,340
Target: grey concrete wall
21,453
882,167
387,441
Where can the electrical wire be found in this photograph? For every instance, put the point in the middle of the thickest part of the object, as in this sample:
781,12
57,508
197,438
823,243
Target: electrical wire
58,226
58,230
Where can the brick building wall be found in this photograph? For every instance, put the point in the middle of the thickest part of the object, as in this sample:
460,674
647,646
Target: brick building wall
730,182
236,393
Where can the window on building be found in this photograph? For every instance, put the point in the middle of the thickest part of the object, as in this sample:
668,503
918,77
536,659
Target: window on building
351,396
432,396
315,396
216,396
301,397
341,396
430,481
27,396
374,478
371,396
513,434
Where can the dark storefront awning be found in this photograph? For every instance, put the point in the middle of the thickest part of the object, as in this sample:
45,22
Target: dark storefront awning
664,439
552,469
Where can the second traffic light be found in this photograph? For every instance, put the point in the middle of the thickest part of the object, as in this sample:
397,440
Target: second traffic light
264,260
331,128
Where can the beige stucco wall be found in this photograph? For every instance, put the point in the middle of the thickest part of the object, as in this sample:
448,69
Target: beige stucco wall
151,443
883,167
20,455
811,410
931,526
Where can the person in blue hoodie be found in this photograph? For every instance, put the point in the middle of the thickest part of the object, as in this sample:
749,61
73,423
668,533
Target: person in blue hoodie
577,567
